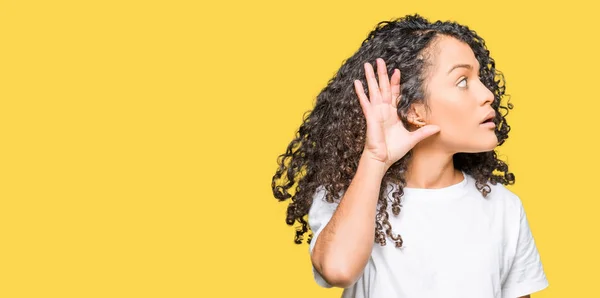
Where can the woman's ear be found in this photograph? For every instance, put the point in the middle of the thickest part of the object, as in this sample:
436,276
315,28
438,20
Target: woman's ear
416,115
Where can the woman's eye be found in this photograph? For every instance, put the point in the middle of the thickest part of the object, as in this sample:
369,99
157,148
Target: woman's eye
462,83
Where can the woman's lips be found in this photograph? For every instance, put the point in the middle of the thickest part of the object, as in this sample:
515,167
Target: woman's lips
488,124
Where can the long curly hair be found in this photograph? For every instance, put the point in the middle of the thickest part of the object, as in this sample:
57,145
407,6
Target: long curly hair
328,145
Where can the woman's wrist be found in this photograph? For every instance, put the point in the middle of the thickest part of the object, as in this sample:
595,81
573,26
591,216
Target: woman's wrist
372,164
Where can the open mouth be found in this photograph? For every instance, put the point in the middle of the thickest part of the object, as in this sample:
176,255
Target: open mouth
489,123
489,119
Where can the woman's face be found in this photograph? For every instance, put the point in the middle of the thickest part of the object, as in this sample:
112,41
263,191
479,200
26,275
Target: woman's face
458,101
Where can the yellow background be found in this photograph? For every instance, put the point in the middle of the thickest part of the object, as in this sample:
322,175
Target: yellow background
139,138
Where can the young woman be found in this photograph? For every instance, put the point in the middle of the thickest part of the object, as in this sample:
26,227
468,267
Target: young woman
409,159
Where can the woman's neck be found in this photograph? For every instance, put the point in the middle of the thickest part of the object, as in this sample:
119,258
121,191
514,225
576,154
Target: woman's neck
430,168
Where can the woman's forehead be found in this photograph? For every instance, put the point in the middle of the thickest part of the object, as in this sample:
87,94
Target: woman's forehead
451,52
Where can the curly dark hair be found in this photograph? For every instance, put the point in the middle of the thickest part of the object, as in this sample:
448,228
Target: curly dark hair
328,145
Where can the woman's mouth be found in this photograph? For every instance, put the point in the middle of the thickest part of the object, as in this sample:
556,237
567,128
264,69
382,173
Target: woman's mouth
488,124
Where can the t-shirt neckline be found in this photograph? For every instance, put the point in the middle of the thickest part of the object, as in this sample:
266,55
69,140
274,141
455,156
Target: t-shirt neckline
447,192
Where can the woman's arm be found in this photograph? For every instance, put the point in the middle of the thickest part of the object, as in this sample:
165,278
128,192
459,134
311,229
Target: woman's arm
344,246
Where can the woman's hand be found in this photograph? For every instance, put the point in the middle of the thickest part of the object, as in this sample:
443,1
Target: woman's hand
387,139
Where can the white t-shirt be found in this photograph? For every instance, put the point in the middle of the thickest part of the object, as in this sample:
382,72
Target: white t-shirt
456,243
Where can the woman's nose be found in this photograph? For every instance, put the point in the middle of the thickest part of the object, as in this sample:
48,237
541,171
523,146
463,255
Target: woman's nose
486,96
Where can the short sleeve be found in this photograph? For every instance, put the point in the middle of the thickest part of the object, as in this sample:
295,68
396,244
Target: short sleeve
526,274
319,215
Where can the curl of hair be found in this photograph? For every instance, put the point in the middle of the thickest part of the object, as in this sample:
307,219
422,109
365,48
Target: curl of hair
328,144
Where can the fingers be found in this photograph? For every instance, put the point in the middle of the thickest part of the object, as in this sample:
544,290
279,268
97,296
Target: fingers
362,97
424,132
384,81
374,94
382,89
395,88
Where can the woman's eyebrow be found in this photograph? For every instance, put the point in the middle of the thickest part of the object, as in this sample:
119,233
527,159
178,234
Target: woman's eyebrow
468,66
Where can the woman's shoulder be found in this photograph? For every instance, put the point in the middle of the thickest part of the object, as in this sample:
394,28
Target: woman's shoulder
501,193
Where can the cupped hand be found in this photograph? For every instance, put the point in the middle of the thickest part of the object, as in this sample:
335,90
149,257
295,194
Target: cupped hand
387,139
